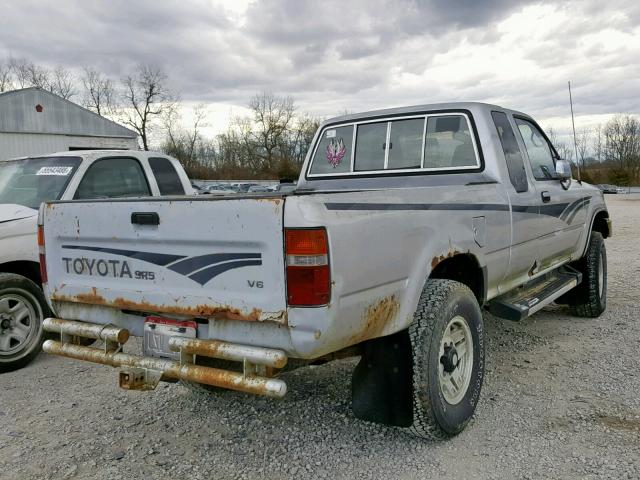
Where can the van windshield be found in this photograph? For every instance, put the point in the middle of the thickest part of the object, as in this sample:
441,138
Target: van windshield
31,181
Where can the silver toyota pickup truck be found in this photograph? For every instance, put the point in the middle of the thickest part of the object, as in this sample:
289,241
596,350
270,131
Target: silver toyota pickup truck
405,224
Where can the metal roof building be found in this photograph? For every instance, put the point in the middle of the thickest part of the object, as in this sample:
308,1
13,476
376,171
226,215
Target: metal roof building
36,122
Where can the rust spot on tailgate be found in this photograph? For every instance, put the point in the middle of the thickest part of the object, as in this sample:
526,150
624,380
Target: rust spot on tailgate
91,297
217,312
376,317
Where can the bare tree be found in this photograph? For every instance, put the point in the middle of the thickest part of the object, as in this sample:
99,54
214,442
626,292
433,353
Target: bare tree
20,72
193,135
271,116
622,143
597,144
300,138
28,74
99,93
180,142
565,151
582,145
146,96
62,83
58,81
6,77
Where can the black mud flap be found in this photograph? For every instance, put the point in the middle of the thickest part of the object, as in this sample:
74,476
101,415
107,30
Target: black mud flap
381,387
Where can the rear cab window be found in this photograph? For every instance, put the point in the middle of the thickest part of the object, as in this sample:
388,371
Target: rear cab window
415,143
166,176
113,178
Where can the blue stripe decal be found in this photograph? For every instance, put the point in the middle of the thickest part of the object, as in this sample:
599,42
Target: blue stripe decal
575,211
553,210
206,267
203,276
161,259
191,264
417,206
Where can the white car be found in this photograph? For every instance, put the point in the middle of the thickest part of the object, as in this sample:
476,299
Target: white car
27,182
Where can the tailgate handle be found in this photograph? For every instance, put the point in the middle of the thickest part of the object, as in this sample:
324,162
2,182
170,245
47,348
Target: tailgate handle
145,218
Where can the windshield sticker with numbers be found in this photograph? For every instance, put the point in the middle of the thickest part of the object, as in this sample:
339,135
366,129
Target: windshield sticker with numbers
61,171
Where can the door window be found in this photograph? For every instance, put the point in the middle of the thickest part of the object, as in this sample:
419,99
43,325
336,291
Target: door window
540,156
113,178
168,181
512,153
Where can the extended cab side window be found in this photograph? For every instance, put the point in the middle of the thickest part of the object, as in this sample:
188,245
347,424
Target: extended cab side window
113,178
448,143
540,155
168,181
512,153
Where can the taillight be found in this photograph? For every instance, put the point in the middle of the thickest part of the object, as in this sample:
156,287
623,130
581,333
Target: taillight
43,258
308,274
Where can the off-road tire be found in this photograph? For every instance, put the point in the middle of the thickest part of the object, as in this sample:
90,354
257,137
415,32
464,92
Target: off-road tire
18,287
441,301
588,299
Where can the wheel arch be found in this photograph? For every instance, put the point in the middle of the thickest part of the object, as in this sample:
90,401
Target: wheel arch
463,268
601,223
25,268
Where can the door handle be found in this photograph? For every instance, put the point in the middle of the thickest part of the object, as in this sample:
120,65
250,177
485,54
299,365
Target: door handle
546,197
145,218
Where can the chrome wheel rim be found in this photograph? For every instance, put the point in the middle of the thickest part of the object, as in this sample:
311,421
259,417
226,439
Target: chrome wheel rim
456,360
19,323
601,275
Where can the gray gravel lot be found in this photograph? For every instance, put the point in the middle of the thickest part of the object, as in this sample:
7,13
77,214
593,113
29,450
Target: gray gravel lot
561,400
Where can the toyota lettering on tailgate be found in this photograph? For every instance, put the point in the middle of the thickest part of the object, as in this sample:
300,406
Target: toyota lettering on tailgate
201,269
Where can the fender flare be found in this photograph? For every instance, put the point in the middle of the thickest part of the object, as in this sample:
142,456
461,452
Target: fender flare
593,219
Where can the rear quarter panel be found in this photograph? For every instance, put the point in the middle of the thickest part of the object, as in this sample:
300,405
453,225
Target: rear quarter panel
383,246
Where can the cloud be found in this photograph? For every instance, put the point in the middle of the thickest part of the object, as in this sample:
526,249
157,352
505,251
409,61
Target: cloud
333,55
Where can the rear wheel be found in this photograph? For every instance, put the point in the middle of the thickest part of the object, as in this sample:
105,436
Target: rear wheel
589,299
22,309
447,343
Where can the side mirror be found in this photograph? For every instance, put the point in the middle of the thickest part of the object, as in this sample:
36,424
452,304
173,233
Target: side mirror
563,169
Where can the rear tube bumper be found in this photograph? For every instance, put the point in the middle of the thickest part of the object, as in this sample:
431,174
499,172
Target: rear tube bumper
143,373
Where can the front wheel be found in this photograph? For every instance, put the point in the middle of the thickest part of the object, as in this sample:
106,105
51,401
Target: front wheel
22,309
589,299
447,343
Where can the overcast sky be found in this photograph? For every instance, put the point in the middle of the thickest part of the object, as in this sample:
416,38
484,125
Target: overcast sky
332,56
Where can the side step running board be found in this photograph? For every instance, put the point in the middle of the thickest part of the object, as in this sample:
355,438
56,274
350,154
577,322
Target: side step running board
533,296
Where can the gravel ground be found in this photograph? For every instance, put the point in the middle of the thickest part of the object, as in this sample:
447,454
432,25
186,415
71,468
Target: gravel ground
560,400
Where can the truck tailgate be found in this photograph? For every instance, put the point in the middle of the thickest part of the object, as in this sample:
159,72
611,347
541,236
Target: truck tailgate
214,258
